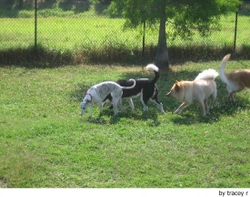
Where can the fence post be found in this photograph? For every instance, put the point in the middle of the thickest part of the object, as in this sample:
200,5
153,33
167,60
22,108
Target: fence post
235,29
143,39
35,35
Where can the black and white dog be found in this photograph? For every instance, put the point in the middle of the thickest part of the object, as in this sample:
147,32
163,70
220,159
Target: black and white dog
144,87
100,91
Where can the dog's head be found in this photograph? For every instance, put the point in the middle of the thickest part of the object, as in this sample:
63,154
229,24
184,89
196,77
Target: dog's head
174,91
85,102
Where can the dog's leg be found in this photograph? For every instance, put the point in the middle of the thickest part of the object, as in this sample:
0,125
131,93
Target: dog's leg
206,106
131,103
159,105
231,97
121,106
105,102
154,98
143,101
115,102
145,107
213,98
100,107
90,109
202,106
182,106
232,92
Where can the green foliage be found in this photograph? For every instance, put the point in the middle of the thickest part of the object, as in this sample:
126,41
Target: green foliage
46,143
201,16
16,4
100,6
14,7
183,16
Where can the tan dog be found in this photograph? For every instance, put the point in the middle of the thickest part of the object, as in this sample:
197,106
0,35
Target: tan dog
236,80
199,90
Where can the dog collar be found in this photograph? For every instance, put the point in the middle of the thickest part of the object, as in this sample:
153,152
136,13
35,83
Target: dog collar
90,96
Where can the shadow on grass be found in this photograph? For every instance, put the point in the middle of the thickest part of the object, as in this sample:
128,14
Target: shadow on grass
192,115
150,116
107,117
47,57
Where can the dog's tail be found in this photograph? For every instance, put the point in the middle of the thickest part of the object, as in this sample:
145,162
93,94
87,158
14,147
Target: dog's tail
130,87
154,68
222,68
207,74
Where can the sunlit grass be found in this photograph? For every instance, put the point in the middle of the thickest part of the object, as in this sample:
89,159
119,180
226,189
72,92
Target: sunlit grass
45,143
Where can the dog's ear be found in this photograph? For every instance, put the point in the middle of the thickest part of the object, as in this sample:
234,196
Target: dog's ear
177,87
176,81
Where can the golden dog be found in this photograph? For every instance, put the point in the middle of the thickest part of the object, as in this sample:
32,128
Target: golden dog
236,80
200,89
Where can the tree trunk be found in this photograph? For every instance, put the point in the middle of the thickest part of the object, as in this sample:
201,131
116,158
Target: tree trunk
162,59
20,4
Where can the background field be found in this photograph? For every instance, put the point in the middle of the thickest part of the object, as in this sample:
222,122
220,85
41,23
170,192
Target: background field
45,143
88,38
72,32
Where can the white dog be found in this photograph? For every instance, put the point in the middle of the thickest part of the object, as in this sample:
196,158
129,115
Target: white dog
199,89
99,92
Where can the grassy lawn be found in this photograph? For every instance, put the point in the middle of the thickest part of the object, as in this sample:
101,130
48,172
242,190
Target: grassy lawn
66,33
45,142
73,33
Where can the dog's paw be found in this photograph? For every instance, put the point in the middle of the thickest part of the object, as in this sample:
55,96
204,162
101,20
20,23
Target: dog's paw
123,110
145,108
178,111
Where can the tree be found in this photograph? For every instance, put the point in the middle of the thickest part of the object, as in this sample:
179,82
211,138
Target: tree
17,4
100,5
182,17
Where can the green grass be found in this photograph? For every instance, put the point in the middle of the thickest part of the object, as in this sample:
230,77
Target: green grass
45,142
66,33
84,31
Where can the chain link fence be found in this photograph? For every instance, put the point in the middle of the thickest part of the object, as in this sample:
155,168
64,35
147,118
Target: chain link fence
75,26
